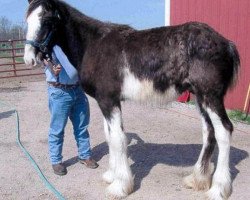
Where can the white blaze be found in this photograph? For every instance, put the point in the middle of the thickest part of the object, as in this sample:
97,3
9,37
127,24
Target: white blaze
34,25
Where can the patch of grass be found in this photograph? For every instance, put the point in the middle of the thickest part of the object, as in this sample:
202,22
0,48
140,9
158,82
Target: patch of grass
20,45
4,46
237,115
19,59
191,102
4,54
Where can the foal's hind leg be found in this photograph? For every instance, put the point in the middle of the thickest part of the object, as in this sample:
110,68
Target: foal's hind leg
200,179
119,173
221,184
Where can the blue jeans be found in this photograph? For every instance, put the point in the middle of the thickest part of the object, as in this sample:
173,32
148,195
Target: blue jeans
64,104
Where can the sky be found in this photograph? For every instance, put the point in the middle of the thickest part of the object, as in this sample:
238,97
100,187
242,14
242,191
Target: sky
140,14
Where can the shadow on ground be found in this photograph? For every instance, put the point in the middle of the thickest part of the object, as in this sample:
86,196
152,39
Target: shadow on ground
6,114
147,155
12,89
71,161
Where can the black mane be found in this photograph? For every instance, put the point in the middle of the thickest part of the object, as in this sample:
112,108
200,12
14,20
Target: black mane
81,27
67,12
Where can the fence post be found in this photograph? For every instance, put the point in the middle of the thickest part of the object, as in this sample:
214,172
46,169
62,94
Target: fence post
13,56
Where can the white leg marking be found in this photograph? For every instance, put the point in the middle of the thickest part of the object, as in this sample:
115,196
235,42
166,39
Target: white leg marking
122,183
108,176
221,185
198,180
106,130
34,25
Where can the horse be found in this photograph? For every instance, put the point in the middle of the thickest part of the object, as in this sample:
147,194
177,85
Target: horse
118,63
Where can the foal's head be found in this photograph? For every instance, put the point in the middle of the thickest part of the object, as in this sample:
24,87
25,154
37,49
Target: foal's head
42,19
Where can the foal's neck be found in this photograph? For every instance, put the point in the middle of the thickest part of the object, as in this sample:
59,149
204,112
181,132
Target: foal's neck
76,32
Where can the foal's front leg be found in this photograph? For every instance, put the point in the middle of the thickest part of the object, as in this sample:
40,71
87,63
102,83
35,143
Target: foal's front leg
108,176
119,173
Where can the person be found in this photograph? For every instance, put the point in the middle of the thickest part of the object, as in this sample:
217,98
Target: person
66,100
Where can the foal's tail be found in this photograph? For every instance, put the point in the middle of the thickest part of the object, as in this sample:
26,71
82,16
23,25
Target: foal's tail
235,60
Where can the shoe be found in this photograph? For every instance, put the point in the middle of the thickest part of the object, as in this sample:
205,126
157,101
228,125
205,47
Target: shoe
59,169
90,163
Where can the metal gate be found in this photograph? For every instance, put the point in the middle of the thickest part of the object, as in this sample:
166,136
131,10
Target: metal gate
11,60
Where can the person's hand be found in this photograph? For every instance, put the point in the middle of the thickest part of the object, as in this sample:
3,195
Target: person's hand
57,69
45,62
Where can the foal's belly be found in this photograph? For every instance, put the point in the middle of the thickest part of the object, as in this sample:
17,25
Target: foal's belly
144,91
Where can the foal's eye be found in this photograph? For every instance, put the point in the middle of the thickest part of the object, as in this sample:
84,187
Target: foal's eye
46,23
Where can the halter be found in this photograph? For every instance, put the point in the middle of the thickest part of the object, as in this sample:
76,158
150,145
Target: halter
41,46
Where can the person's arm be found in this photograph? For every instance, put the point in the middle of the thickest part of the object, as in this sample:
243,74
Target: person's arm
65,63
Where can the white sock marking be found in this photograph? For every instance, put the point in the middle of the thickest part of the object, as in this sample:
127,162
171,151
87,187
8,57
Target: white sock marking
221,186
122,184
198,180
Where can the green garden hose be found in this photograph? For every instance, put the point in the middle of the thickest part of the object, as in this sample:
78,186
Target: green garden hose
34,164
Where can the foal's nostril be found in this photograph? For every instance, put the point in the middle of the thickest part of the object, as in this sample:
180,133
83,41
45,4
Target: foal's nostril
33,62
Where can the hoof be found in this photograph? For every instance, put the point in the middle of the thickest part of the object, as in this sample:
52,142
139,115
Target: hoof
115,190
118,189
219,192
108,176
197,182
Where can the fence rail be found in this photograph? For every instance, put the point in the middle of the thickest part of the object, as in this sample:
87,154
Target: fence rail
11,60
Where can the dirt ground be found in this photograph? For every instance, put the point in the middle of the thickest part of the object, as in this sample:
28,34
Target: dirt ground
164,144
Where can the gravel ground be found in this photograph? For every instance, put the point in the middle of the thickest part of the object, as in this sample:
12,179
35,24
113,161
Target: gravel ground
164,145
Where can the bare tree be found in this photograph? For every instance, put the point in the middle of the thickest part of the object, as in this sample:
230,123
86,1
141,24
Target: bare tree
9,30
5,27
